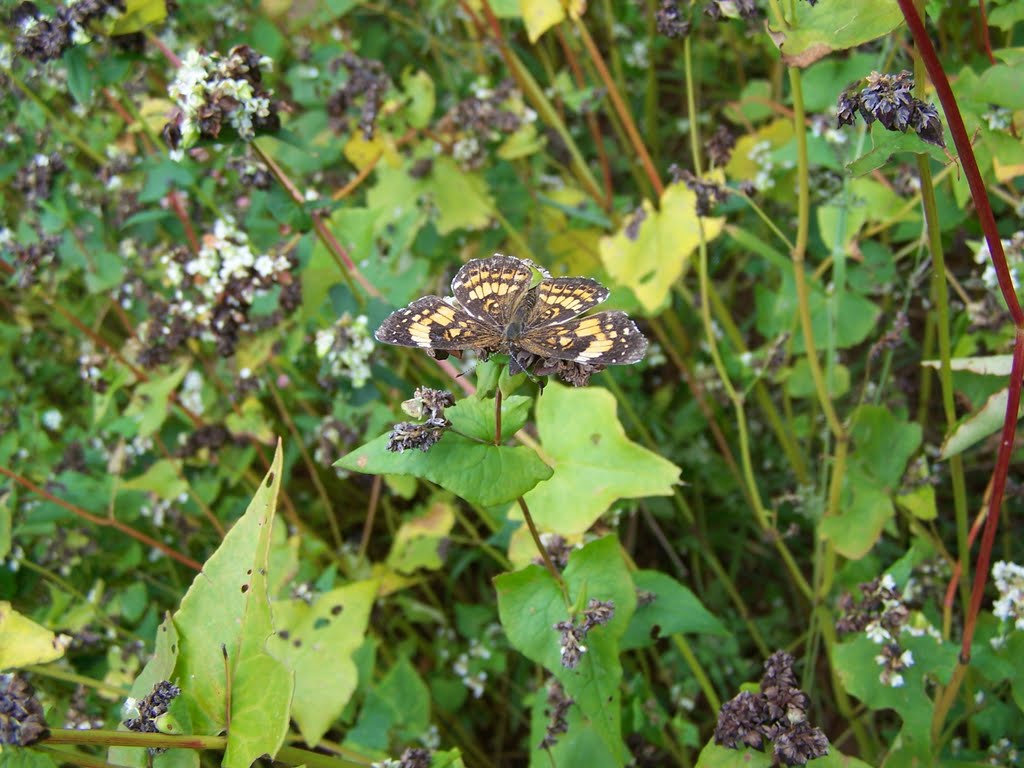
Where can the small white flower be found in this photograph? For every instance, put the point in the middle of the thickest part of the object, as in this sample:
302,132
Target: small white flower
52,419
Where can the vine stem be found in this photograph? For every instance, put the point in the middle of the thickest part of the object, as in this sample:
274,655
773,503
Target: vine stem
543,550
986,218
108,522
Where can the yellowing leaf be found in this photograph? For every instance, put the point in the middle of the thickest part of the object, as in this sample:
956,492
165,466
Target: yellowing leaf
539,16
419,541
139,14
594,463
362,152
653,257
23,642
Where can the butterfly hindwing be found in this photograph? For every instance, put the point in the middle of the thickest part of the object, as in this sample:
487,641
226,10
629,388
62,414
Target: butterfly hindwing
604,338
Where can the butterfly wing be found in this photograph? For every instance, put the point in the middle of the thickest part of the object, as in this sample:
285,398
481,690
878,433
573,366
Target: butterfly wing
492,289
604,338
559,299
433,323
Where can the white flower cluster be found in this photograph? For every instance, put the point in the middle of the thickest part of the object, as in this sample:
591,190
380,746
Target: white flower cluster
1014,250
345,349
225,255
464,669
892,661
191,396
1009,579
760,155
209,78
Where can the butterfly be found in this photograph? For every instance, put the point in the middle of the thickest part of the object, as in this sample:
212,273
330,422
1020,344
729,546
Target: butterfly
503,304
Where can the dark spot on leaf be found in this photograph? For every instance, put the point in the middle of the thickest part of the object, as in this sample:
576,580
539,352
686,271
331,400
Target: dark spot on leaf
263,571
335,610
595,438
270,479
174,647
655,631
249,572
297,643
284,634
321,622
245,588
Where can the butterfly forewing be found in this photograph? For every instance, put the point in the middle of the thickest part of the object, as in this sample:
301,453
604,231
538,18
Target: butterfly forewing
433,323
604,338
491,289
559,299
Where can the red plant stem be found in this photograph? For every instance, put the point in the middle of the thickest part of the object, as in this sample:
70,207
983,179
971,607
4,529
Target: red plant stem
988,224
111,522
985,39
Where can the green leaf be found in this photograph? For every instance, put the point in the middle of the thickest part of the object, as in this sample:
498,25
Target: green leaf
530,603
419,89
162,478
462,199
594,463
397,707
316,643
25,757
886,143
865,511
151,400
81,80
262,685
474,416
834,25
226,611
715,756
859,672
482,474
800,382
23,642
882,443
159,667
650,260
674,609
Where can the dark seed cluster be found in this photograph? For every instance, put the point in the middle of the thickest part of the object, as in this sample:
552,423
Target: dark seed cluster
423,435
557,710
574,632
44,38
888,99
21,715
731,9
708,193
213,91
569,371
719,147
363,92
486,117
35,179
31,260
881,605
777,714
670,21
151,707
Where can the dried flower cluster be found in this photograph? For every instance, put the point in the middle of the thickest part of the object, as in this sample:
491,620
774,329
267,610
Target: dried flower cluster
574,635
30,260
214,291
44,38
211,91
883,616
35,179
731,9
486,117
778,713
364,92
429,403
719,147
888,99
709,194
557,709
344,350
670,21
21,715
149,708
